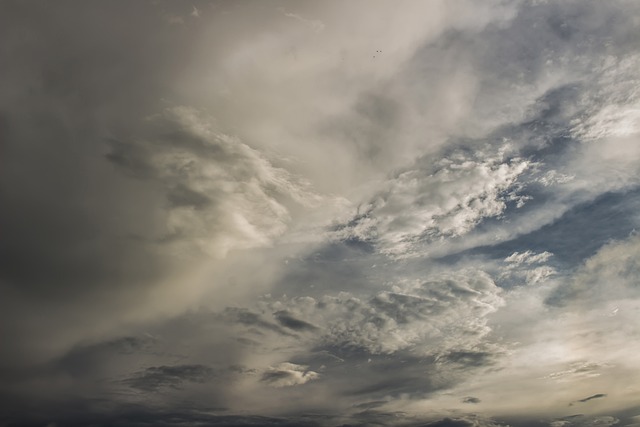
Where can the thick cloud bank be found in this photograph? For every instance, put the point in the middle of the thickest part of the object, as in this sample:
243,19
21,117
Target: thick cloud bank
320,214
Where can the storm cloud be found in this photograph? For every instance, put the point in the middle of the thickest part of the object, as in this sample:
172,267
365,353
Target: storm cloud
319,214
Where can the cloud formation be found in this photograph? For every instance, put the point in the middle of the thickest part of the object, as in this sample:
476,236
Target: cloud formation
220,193
320,214
287,375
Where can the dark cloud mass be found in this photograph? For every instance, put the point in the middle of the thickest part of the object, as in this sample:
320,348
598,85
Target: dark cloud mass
158,377
319,214
595,396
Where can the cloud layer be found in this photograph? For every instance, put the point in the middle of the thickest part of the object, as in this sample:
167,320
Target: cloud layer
323,214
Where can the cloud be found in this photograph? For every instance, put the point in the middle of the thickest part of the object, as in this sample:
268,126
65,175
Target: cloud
292,323
528,257
586,421
316,25
430,316
411,204
527,267
608,275
288,374
214,184
595,396
580,369
469,421
432,201
157,378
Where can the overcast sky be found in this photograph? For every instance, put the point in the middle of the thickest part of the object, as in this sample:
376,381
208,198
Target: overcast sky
284,213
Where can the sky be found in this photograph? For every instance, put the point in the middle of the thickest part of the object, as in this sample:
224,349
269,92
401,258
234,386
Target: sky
320,214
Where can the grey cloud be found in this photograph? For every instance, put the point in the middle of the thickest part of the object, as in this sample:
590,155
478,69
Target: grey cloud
93,196
288,374
580,369
157,378
580,420
595,396
214,184
469,358
129,415
181,196
492,133
608,275
467,421
423,315
247,318
87,361
285,319
371,405
401,343
67,212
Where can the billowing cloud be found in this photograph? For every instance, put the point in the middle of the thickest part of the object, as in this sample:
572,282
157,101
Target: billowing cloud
433,201
527,267
288,374
220,193
320,214
431,316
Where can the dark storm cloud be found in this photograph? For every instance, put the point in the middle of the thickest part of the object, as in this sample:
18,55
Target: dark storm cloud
471,399
100,414
67,216
451,422
466,421
102,178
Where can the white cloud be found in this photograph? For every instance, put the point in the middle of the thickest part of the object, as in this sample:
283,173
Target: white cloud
579,370
433,201
288,374
527,267
613,105
528,257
